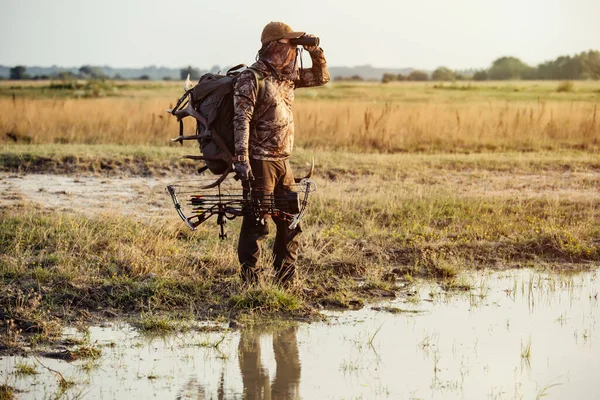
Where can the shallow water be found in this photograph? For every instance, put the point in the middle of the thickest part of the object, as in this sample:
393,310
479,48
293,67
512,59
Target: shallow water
433,344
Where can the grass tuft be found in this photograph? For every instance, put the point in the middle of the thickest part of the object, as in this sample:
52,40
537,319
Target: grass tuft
7,392
526,350
152,323
86,352
266,299
25,369
566,86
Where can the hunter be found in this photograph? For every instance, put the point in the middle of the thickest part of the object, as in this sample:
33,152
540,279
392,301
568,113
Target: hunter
264,136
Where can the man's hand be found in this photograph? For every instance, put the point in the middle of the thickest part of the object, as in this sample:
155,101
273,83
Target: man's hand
310,49
243,170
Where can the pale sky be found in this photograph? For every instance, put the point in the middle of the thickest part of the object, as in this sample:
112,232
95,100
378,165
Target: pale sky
402,33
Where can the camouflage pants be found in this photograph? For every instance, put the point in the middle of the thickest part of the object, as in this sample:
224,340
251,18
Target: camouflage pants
270,178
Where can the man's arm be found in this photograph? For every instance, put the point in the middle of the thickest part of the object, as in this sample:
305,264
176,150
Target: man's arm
318,74
244,100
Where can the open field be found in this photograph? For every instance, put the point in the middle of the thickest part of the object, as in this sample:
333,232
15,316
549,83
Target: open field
413,182
399,117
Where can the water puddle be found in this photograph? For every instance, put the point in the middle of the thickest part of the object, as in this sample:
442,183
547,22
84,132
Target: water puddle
516,334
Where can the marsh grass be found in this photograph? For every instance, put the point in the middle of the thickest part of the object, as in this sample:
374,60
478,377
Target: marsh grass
376,221
526,350
566,86
86,352
24,369
149,322
365,117
7,392
380,215
266,297
64,384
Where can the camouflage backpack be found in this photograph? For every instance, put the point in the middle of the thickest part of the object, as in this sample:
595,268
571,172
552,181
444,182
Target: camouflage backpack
213,98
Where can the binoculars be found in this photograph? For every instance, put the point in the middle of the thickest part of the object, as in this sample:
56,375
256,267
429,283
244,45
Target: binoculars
305,41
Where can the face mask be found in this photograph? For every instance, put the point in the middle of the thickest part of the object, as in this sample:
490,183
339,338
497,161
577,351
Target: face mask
281,56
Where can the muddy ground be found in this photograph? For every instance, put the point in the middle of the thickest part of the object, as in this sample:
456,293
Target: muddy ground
146,197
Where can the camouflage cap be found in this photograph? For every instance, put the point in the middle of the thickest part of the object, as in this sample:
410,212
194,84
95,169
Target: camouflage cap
278,30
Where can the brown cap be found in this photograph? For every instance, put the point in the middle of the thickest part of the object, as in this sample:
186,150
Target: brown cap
278,30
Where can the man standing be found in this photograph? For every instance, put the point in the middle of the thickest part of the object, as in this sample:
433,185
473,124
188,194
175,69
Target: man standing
264,136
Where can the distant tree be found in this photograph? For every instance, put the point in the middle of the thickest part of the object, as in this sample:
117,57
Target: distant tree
480,75
529,73
193,72
507,68
387,77
144,78
117,77
592,63
460,77
580,66
167,78
87,71
353,78
65,76
19,72
443,74
401,77
417,75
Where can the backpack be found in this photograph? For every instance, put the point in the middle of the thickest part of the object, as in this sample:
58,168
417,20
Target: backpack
213,98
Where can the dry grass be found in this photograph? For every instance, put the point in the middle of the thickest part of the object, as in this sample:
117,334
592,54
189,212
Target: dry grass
495,126
366,117
376,219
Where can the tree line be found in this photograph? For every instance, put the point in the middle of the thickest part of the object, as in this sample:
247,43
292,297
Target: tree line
585,65
19,72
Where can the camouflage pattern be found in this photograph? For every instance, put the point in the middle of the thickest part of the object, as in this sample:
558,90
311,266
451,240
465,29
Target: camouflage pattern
265,130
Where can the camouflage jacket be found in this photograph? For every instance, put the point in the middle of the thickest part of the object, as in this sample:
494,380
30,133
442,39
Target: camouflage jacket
265,129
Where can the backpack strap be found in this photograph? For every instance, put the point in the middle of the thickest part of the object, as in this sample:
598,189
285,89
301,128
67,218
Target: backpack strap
260,83
234,70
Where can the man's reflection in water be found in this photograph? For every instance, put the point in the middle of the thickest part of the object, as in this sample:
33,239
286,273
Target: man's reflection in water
256,378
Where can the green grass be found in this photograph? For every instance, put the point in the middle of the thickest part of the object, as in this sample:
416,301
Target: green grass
86,352
270,298
79,89
526,350
157,161
7,392
151,323
97,159
25,369
445,92
409,92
